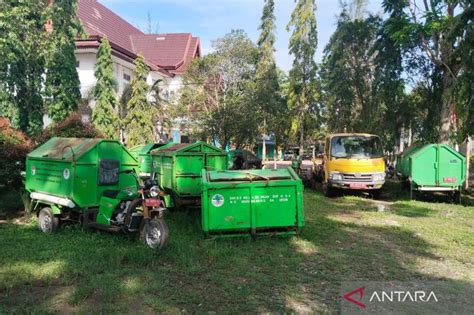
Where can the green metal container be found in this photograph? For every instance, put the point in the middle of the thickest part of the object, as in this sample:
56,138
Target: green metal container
433,167
75,172
143,156
252,201
178,167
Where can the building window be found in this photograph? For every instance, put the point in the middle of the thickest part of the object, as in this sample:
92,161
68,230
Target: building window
126,77
77,63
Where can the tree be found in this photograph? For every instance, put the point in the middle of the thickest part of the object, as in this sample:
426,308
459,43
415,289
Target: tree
441,30
303,44
138,122
267,96
22,63
104,113
217,92
62,81
351,74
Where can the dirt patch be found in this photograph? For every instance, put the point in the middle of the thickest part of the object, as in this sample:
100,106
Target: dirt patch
50,297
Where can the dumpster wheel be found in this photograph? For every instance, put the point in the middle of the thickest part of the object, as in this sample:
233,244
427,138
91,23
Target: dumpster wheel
47,222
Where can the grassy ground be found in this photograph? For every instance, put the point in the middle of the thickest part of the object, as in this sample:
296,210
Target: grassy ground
346,238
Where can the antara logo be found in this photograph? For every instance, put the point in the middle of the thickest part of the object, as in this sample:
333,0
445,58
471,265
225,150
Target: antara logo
357,295
403,296
360,292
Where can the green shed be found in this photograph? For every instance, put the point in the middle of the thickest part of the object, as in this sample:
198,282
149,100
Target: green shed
252,202
75,172
432,167
178,167
143,156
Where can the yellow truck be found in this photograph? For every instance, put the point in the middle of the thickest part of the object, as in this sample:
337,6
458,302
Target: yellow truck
352,161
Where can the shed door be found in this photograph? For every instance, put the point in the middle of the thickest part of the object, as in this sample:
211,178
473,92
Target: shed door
450,168
188,174
423,166
189,164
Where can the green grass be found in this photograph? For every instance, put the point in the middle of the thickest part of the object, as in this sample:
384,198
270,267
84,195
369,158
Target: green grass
346,238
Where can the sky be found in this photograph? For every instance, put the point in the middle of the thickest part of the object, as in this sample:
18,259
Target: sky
212,19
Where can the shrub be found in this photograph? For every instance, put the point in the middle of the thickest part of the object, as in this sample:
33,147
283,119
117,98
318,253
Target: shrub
14,146
72,127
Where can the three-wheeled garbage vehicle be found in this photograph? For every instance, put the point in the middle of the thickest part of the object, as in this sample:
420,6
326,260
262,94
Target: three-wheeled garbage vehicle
434,167
95,182
143,156
178,169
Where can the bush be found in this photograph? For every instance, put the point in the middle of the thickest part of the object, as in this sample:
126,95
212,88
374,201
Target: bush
14,146
72,127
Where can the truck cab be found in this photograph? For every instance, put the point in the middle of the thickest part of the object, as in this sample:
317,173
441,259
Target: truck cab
352,161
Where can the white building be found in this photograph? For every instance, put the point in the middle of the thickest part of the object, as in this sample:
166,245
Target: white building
167,55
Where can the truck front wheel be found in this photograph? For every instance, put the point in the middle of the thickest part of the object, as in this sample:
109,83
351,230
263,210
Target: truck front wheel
47,222
328,191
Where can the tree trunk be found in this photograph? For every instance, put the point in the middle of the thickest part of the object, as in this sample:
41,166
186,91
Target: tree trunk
301,134
447,107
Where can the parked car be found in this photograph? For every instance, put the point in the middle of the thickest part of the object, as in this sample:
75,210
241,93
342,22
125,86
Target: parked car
244,160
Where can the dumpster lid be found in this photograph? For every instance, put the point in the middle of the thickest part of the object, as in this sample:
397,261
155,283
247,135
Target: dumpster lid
64,149
249,175
145,149
196,147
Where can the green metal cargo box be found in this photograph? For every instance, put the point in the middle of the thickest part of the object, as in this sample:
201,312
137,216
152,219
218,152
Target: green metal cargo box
433,167
178,167
143,156
252,201
75,172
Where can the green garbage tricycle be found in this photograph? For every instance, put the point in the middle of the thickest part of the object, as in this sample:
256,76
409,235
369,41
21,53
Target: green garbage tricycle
94,182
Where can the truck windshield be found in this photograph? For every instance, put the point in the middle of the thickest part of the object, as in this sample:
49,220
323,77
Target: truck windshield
361,147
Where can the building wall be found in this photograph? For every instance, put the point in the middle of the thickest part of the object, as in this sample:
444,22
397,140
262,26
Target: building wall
123,72
86,60
85,68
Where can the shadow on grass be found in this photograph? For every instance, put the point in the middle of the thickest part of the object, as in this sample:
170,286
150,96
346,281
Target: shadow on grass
90,271
408,209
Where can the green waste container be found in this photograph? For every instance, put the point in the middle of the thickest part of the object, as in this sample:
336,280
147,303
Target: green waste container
178,168
75,172
252,201
143,156
432,167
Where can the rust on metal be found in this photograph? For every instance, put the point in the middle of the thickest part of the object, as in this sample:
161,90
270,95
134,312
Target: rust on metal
64,148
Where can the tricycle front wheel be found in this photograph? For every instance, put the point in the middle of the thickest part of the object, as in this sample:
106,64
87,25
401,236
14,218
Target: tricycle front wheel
156,235
47,222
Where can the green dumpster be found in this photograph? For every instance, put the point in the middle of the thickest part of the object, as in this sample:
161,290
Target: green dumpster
252,201
178,168
143,156
433,167
75,172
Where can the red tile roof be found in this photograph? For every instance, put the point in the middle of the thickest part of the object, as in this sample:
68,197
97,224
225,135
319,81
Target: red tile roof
170,53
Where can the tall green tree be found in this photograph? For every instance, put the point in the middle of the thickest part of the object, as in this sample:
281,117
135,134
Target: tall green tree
217,94
442,30
268,95
22,63
138,122
104,113
62,81
303,45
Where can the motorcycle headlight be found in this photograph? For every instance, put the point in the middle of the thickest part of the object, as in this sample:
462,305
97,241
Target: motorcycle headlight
335,176
154,191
